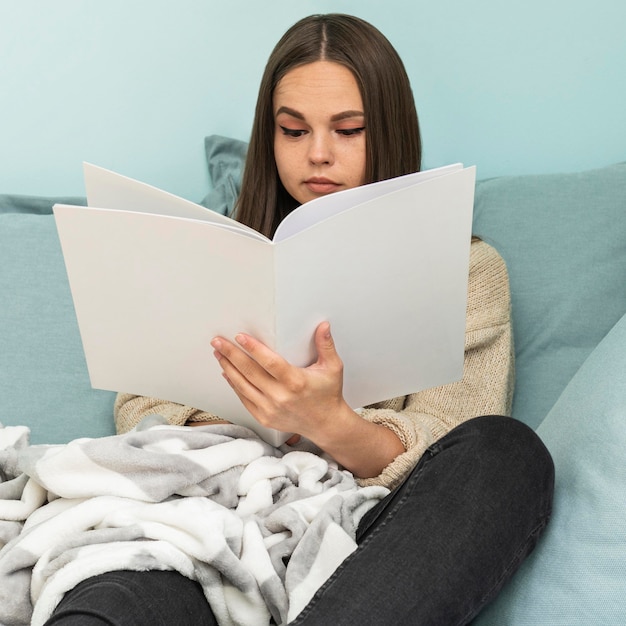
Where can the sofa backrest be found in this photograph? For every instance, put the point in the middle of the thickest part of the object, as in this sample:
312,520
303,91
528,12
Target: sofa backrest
43,375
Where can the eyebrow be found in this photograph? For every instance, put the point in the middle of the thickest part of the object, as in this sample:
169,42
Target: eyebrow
334,118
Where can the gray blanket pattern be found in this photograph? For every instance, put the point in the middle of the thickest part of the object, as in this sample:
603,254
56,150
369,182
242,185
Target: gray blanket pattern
259,528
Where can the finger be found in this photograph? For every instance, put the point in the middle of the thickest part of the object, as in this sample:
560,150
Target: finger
228,353
243,390
270,361
237,369
325,345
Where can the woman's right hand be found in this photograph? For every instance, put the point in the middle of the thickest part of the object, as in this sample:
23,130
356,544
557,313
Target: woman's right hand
308,401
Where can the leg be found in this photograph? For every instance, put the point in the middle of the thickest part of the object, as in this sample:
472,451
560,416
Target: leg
128,598
440,547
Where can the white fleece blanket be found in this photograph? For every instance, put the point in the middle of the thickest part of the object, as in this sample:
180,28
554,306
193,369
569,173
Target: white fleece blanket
259,528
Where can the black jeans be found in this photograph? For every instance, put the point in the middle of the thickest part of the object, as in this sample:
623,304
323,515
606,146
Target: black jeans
435,551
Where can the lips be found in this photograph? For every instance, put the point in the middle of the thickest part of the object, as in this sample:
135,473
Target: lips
321,185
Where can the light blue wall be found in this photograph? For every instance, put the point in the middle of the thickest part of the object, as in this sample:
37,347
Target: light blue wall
135,85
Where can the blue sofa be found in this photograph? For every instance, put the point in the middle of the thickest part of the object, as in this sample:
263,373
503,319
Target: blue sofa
563,237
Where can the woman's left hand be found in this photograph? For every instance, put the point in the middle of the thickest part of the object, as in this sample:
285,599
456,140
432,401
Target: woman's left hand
308,400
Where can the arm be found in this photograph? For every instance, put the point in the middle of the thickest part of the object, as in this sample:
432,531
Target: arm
384,443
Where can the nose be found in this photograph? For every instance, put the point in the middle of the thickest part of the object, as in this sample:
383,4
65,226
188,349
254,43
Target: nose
320,149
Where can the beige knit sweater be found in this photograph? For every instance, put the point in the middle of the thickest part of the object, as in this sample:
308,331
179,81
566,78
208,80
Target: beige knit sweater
421,418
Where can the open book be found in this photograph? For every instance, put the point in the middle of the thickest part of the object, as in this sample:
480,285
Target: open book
155,277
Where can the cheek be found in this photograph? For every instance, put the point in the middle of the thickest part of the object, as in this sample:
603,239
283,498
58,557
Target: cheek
286,165
358,162
363,167
277,153
280,159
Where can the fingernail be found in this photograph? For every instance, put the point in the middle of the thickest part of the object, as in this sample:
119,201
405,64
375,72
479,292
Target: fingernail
216,343
241,339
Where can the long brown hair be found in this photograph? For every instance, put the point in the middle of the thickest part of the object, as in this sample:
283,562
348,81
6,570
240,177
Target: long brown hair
393,144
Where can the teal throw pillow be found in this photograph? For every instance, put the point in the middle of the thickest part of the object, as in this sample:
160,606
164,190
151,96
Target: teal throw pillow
225,160
577,574
563,237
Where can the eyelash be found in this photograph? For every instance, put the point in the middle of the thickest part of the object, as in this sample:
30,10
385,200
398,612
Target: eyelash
350,132
346,132
291,132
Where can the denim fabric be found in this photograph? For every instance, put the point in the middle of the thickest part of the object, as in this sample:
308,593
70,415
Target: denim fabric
126,598
434,552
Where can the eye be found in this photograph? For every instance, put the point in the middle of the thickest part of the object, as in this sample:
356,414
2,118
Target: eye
292,132
350,132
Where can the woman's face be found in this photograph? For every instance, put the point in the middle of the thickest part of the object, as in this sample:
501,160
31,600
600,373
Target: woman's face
319,141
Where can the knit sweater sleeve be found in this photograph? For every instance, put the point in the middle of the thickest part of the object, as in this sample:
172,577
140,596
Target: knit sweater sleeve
486,387
129,410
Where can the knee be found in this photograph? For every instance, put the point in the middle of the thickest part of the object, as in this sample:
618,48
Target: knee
514,441
514,455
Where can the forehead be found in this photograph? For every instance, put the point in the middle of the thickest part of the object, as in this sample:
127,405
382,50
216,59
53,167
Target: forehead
322,85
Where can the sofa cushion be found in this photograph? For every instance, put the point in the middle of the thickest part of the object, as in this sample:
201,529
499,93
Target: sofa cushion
563,237
577,573
43,375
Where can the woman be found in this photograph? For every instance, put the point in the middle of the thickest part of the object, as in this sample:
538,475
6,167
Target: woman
470,495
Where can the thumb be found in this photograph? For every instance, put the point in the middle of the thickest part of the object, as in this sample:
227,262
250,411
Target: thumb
324,344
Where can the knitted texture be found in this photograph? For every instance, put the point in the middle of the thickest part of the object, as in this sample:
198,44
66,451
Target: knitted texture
129,410
419,419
